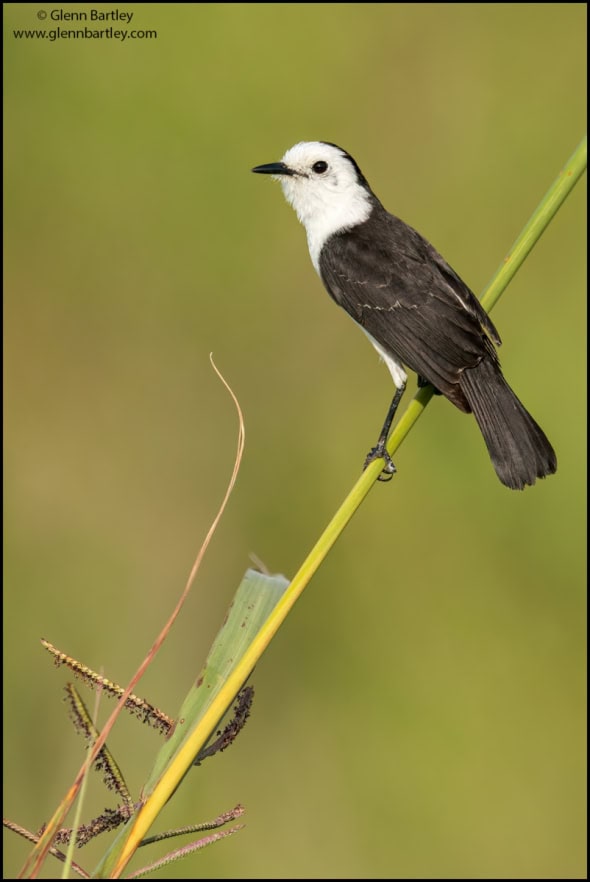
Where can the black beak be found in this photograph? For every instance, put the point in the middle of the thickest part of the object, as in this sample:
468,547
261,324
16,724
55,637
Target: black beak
273,168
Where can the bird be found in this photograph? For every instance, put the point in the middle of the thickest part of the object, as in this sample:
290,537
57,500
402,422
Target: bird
414,308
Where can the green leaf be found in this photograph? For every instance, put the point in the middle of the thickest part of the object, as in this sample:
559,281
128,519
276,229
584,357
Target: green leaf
255,599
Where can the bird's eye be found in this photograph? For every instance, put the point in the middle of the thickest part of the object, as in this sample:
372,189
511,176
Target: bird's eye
319,167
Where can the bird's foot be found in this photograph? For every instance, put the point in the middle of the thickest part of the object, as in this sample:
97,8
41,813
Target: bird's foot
380,452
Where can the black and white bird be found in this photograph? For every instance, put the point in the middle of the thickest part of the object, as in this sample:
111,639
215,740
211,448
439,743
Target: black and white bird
411,304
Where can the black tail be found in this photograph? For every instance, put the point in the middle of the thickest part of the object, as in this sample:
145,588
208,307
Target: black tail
518,447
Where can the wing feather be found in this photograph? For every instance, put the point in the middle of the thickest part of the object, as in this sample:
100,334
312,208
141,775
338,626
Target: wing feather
399,289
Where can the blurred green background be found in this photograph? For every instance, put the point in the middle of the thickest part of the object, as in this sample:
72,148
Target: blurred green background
422,712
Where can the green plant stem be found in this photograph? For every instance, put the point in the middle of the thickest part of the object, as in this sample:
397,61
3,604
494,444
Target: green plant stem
139,825
531,234
540,220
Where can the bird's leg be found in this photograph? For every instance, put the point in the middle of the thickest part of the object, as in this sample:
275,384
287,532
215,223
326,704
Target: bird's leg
380,450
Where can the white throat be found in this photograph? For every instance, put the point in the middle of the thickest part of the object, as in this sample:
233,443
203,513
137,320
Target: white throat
324,212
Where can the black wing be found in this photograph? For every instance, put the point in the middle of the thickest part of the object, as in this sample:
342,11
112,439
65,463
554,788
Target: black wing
399,288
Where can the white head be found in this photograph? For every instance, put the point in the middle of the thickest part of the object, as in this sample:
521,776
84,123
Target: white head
326,188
